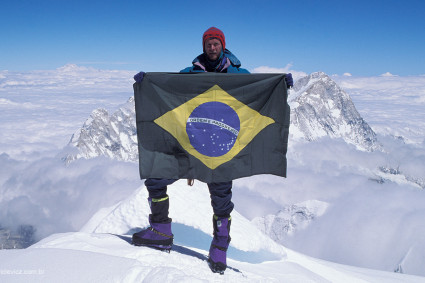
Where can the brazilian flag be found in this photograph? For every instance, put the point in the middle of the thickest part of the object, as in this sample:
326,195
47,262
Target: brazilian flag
212,127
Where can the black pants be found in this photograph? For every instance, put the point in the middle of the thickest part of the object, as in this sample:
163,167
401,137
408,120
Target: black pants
220,193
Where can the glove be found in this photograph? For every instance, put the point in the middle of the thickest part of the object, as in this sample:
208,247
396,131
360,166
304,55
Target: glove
289,80
139,77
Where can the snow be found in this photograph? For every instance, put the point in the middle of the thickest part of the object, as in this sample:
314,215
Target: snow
190,208
98,257
86,211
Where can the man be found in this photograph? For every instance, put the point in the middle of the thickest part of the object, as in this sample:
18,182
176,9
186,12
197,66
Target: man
215,58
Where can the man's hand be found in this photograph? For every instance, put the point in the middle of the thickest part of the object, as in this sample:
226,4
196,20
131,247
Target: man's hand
289,80
139,77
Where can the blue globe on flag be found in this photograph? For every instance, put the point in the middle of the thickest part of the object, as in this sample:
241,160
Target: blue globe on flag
213,128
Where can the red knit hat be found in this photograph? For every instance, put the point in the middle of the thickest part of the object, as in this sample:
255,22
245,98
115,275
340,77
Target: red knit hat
216,33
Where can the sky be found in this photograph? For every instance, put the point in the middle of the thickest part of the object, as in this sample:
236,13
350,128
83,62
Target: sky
363,38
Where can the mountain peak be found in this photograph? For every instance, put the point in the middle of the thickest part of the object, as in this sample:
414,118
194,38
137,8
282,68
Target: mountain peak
114,136
319,107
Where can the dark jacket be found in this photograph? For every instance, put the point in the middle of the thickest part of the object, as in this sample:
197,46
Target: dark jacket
229,64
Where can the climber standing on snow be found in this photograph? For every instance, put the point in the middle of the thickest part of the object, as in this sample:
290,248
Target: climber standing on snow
215,58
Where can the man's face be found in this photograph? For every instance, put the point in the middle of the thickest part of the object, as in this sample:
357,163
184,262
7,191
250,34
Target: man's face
213,48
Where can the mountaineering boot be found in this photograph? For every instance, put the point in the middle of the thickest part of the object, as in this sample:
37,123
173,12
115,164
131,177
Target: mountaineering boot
159,234
219,244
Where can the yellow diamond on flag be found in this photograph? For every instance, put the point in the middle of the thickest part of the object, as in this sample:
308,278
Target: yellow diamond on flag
213,126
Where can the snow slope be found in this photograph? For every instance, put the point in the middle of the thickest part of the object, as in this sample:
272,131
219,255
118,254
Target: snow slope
101,251
84,257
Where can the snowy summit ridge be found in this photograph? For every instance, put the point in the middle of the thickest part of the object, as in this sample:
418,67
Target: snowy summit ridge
101,251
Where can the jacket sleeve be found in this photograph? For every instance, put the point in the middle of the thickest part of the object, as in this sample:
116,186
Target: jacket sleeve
186,70
191,70
234,69
243,71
